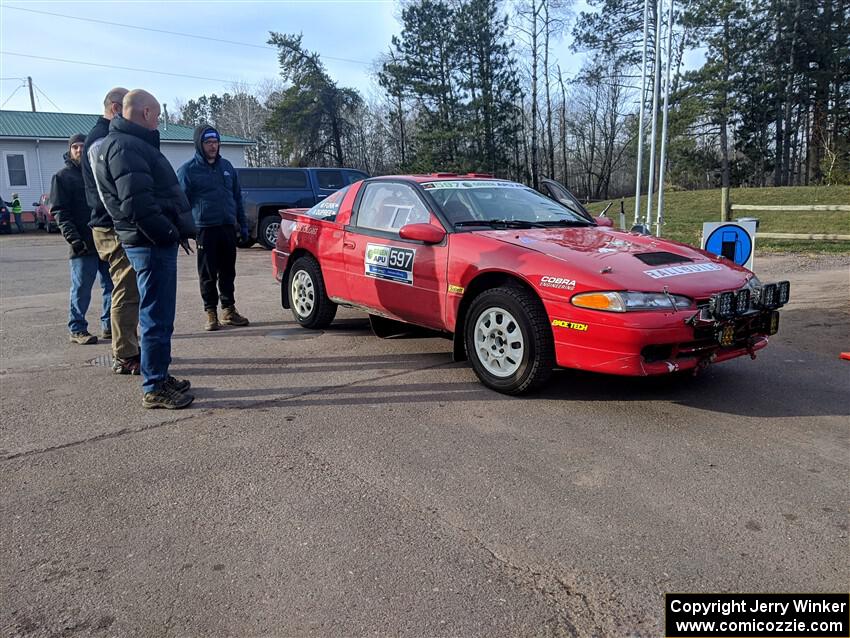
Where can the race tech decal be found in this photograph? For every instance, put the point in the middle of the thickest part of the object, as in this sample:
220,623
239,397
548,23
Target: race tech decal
558,282
306,229
390,263
690,269
457,290
570,325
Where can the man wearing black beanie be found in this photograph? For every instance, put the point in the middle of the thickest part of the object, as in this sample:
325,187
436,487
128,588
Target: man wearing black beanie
71,210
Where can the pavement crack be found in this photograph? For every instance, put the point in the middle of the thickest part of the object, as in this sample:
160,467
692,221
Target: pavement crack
101,437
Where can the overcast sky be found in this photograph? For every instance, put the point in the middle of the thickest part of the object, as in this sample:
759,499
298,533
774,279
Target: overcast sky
349,35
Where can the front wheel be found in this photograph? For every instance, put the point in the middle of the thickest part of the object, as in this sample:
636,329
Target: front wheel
308,299
508,340
267,231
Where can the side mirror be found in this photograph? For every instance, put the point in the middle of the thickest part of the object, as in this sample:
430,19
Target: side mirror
602,220
425,233
36,204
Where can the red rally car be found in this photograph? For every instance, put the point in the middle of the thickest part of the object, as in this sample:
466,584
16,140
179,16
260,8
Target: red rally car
520,282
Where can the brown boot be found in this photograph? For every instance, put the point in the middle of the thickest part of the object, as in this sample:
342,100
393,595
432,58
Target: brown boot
212,321
230,317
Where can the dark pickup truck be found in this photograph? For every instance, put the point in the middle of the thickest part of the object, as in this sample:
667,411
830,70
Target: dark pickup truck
266,190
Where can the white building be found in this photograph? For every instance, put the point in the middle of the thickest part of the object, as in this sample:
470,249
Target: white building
32,146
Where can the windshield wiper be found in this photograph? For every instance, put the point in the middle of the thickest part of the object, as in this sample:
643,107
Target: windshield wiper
500,223
567,222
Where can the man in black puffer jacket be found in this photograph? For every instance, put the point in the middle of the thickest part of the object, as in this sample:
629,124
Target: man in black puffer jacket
212,188
70,208
125,294
151,216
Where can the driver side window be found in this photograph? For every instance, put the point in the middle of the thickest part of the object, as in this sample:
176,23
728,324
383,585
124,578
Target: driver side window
388,207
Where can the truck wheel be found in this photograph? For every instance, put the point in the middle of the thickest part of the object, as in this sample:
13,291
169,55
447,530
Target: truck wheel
267,231
308,300
508,340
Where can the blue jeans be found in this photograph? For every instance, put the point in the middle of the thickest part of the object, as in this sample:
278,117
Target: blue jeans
156,277
83,272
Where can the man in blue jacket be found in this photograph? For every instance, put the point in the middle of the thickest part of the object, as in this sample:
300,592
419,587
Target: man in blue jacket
212,188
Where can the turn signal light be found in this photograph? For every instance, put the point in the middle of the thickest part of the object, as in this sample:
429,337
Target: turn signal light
596,301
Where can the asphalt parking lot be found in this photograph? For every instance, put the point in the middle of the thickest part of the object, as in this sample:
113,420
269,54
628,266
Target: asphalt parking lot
334,484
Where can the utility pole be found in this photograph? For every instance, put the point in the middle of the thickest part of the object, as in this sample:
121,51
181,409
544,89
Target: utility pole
32,97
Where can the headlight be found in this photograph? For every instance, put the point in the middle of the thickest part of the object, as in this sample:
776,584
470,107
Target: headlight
629,301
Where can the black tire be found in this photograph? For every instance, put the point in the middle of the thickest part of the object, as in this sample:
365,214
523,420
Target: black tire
267,231
535,365
317,310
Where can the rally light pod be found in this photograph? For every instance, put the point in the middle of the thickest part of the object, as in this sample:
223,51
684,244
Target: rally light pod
742,301
723,305
784,288
769,296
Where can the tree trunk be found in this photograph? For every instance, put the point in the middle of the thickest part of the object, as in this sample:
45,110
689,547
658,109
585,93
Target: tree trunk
534,55
786,152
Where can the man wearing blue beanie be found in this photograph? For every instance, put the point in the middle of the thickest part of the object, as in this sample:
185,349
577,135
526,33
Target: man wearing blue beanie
212,187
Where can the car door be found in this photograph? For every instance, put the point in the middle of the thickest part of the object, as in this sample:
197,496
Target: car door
401,278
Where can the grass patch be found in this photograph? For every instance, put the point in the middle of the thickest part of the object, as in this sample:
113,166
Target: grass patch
686,211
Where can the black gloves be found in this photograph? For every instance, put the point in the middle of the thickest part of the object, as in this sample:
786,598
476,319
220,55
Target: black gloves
79,248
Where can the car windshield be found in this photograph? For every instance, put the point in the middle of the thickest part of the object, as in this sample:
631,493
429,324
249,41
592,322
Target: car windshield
328,208
492,203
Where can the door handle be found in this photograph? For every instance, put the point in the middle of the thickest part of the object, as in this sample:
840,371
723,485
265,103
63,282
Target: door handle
349,244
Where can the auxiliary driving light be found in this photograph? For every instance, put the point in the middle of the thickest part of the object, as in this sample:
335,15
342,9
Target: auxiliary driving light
773,323
723,305
784,288
726,335
742,301
769,296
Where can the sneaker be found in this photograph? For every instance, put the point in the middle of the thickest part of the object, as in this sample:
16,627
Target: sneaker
166,397
212,321
181,385
230,317
83,338
106,333
127,366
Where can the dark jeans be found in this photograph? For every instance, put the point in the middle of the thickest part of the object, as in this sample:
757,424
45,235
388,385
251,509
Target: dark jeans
83,272
217,265
156,277
19,223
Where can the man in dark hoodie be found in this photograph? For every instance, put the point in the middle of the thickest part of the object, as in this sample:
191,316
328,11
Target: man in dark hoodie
151,215
125,294
69,207
212,188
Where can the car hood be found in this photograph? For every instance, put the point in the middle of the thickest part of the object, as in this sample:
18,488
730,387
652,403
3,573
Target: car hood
617,260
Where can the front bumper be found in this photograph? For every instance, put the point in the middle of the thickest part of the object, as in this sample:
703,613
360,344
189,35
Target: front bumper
651,343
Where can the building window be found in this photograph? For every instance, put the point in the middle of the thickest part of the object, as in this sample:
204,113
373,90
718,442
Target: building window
16,168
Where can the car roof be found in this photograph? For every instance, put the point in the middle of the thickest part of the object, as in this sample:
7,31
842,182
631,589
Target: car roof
444,177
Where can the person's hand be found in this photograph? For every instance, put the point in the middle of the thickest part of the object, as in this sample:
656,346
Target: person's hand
186,246
243,234
78,246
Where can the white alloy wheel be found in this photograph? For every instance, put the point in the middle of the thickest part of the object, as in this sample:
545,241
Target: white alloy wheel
499,344
302,294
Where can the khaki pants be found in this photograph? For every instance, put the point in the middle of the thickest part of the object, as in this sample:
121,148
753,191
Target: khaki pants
125,295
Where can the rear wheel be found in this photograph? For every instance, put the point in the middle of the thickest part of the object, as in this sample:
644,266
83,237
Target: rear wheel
508,340
267,230
308,299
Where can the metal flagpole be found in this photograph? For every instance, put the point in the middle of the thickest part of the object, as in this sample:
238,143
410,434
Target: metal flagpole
642,109
655,90
659,217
